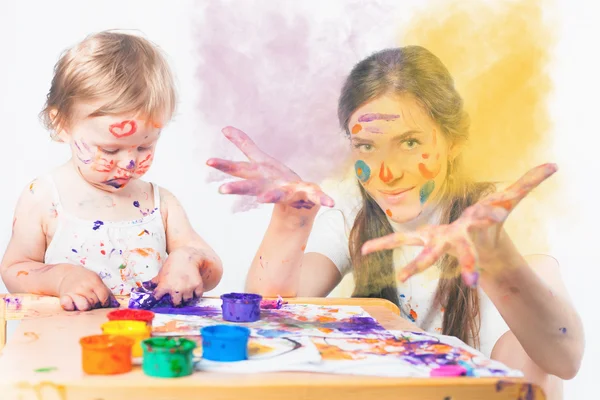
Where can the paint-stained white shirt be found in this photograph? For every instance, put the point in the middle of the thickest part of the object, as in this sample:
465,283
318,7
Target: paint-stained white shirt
329,237
123,253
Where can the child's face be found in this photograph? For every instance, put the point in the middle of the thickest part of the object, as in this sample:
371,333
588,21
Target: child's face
400,154
111,150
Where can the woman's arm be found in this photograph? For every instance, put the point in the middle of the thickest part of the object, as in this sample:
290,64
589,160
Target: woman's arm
533,301
281,267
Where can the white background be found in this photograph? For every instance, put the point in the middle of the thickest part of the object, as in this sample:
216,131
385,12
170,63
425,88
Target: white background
33,34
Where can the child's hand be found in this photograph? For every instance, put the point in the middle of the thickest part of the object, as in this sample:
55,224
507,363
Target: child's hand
82,289
179,277
474,235
266,178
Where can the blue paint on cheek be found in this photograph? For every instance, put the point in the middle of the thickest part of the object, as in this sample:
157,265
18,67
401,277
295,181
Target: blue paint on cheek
363,172
131,165
426,191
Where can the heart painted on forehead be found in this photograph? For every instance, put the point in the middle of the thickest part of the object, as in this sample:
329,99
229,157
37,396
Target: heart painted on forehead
123,129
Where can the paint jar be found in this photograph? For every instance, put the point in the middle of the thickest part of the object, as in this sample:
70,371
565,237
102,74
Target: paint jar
167,357
126,314
106,354
225,343
448,371
241,307
136,330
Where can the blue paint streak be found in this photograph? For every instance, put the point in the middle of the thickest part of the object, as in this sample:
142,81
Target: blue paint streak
426,191
363,172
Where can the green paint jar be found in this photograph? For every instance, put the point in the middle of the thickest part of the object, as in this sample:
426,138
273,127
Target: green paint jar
167,357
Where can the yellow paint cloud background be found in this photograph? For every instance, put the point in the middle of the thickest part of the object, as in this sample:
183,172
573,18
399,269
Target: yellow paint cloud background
499,55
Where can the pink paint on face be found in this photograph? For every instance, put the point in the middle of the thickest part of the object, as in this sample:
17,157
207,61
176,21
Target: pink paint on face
123,129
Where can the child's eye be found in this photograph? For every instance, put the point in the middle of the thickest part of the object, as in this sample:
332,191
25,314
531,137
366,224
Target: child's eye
109,151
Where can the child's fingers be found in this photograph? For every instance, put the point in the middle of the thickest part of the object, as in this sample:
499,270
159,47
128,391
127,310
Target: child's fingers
187,296
81,302
176,298
104,296
160,291
239,169
67,303
199,291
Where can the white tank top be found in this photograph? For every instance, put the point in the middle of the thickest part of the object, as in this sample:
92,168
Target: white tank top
123,253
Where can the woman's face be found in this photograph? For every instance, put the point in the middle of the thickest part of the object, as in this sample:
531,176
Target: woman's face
400,154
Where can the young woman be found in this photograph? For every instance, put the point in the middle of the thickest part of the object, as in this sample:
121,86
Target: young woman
405,122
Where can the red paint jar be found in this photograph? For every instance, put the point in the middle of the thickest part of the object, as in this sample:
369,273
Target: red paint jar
131,315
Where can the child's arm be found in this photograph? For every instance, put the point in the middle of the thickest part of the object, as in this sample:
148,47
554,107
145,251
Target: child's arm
23,269
186,250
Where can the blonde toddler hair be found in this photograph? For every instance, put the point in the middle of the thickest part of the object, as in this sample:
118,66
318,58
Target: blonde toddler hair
126,70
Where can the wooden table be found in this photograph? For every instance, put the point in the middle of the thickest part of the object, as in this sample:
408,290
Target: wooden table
47,340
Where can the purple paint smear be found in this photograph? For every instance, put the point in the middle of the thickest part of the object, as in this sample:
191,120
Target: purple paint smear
143,298
275,71
377,117
188,310
13,303
272,304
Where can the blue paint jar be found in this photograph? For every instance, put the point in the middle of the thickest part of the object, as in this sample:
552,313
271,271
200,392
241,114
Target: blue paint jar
225,343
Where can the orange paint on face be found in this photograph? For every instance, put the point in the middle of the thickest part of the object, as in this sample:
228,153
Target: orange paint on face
385,174
426,156
157,125
303,247
388,212
22,273
428,174
356,128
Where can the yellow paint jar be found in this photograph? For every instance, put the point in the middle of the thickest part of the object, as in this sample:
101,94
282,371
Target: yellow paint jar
136,330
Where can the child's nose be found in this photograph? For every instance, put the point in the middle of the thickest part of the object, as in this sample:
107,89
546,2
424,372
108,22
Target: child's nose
128,164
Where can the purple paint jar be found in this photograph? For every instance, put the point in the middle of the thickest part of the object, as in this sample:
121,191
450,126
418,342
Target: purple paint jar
241,307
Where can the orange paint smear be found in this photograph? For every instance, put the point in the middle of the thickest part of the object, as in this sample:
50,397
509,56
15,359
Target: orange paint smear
413,314
426,156
22,273
506,204
356,128
388,212
385,174
429,174
144,252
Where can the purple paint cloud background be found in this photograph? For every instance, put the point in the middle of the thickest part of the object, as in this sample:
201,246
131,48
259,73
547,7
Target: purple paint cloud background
274,69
